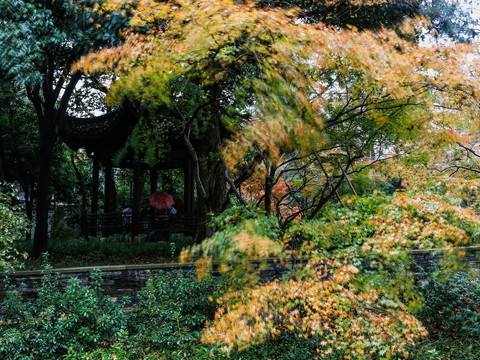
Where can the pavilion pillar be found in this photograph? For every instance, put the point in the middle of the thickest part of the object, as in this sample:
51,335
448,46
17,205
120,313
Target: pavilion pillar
137,199
107,196
189,194
94,194
153,188
188,191
95,176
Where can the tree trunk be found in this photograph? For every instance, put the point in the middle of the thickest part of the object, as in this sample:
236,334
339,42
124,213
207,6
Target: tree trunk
50,121
269,189
153,189
107,195
189,193
110,195
94,194
137,200
28,189
47,141
212,172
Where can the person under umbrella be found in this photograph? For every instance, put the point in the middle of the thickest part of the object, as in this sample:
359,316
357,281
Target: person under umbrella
163,201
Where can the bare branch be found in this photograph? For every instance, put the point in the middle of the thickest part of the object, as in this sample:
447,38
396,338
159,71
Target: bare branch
468,149
193,154
232,186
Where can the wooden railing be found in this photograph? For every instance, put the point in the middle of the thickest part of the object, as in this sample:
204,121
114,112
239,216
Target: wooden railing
115,223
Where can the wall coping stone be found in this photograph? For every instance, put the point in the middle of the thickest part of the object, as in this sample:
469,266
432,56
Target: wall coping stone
102,268
440,250
171,266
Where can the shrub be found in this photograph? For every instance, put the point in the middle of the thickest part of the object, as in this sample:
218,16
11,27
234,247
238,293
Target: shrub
451,314
241,244
83,323
452,306
339,227
354,295
12,226
172,310
322,304
57,322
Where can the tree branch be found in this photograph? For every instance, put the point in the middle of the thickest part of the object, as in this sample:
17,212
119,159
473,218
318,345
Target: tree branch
196,169
468,149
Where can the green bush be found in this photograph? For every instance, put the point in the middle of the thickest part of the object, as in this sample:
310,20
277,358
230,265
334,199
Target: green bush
12,226
58,322
233,220
172,310
81,322
337,228
451,314
452,306
61,231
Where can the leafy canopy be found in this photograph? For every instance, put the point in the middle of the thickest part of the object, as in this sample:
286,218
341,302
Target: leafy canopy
280,78
36,35
280,84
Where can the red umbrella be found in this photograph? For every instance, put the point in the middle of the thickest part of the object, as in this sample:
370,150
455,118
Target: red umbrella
161,200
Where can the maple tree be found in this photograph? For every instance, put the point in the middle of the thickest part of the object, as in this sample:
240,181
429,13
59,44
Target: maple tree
354,293
268,82
276,92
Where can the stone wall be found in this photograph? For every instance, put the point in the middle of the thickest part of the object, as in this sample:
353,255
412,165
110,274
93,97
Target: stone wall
427,259
118,280
128,280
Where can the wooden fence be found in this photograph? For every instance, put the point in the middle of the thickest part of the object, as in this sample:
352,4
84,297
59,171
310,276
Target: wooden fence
117,223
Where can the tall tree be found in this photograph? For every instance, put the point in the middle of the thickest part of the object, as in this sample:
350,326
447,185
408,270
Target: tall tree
18,142
40,40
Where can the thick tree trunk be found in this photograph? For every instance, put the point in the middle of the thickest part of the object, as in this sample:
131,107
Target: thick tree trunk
107,191
28,189
94,194
269,189
50,121
153,188
189,192
110,196
95,177
212,173
47,141
137,200
108,206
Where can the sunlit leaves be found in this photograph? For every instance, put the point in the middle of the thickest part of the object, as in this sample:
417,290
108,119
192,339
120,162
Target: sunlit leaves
295,71
354,293
343,320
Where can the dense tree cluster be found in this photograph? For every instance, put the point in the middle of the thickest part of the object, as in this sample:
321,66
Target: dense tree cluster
318,131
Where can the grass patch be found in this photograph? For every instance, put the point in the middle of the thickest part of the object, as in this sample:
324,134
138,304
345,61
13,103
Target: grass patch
109,251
